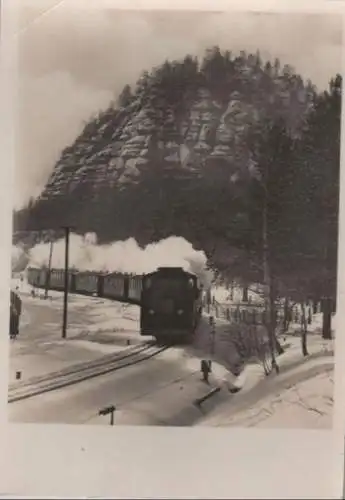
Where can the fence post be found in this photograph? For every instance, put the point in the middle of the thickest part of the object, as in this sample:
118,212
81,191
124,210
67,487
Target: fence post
205,370
213,334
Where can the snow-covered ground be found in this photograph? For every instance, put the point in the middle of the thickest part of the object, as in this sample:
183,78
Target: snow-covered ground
300,396
104,319
224,296
163,392
95,328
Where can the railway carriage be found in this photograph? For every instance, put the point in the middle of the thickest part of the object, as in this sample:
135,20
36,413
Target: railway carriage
37,277
134,288
57,279
114,286
88,283
170,304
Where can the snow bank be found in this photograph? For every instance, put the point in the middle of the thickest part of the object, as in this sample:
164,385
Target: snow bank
307,404
300,396
224,295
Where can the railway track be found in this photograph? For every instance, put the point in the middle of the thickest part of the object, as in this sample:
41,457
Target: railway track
83,371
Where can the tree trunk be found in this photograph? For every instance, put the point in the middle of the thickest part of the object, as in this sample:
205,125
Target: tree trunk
310,316
286,320
276,344
280,350
327,319
232,291
327,302
268,288
245,294
304,331
315,304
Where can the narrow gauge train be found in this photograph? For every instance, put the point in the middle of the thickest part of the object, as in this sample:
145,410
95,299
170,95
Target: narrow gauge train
171,304
170,298
116,286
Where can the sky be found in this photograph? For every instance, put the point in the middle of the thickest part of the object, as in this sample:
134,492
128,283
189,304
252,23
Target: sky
72,62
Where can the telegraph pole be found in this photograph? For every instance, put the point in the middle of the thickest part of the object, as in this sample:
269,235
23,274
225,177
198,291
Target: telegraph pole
65,298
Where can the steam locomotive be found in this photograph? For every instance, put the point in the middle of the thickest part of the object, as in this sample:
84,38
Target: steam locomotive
171,304
169,298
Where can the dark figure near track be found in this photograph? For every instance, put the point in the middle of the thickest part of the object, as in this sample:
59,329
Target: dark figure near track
15,312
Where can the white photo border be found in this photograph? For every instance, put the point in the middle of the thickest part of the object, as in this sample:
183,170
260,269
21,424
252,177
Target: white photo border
61,460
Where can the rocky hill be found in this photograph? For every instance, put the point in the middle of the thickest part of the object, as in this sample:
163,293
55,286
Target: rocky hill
160,160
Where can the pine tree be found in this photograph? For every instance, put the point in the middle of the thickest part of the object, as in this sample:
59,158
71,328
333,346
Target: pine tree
318,203
125,97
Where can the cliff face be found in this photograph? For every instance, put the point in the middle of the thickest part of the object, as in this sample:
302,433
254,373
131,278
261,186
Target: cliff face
136,169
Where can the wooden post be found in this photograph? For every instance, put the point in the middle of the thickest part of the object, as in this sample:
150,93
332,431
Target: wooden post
65,301
108,410
327,318
199,401
205,370
213,335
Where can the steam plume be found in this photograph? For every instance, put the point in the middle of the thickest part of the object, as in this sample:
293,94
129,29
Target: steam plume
123,256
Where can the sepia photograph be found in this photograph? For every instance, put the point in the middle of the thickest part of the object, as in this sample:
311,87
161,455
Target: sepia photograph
175,219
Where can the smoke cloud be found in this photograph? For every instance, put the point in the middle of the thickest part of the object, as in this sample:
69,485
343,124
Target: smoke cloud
123,256
19,258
